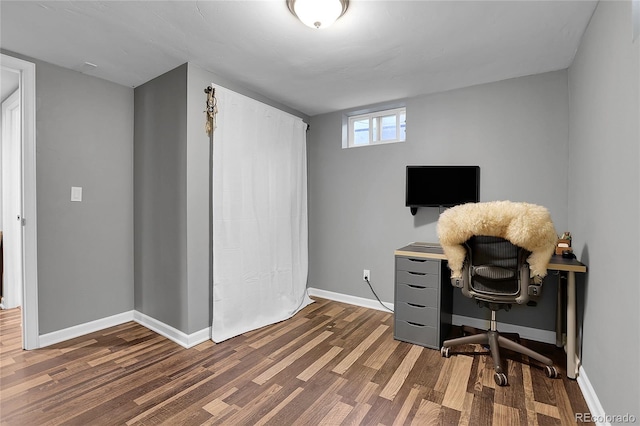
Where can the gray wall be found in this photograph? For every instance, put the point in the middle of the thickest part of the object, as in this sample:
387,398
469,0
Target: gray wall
84,136
604,206
160,190
198,149
515,130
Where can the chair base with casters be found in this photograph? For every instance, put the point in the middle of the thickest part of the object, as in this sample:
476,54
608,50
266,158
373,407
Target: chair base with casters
495,341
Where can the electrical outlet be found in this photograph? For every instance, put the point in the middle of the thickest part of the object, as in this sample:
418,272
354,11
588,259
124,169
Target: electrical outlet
366,275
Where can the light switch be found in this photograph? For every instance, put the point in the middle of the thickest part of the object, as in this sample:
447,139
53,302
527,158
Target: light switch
76,193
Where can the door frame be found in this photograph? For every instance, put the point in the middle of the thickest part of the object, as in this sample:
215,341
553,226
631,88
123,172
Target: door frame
30,328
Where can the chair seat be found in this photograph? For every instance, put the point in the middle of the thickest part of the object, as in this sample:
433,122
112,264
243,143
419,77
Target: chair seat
494,272
494,287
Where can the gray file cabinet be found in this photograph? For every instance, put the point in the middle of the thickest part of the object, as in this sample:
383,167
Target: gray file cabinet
423,301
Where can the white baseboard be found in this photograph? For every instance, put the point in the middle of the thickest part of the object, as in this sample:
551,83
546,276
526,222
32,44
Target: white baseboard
529,333
595,408
82,329
183,339
352,300
173,334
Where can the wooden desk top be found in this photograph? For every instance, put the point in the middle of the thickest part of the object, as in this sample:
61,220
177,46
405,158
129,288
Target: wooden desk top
434,251
559,263
422,251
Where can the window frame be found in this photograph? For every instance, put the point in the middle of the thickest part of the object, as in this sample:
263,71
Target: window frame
375,131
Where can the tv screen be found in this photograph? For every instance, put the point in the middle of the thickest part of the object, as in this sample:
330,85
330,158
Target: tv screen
434,186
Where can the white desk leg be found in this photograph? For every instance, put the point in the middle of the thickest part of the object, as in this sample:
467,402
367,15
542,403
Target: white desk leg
571,325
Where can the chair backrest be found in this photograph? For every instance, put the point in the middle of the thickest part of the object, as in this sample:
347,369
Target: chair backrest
496,271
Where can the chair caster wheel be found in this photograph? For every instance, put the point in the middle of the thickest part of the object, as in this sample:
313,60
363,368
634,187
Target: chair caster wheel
551,371
501,379
445,352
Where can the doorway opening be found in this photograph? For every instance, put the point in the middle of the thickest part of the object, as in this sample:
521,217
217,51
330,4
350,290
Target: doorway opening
18,195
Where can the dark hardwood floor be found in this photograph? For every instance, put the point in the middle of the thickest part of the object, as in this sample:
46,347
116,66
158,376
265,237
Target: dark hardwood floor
332,364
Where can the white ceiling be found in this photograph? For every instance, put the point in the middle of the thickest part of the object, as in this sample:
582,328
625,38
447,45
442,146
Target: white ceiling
378,51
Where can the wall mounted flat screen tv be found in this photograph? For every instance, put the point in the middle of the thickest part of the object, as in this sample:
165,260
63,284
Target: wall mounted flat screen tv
446,186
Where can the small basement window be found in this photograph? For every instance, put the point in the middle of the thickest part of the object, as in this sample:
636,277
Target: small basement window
387,126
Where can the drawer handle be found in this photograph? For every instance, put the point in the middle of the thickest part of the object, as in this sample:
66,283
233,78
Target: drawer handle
418,260
416,306
415,324
416,286
416,273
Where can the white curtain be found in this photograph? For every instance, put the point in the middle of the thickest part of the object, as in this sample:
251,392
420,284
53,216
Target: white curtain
260,252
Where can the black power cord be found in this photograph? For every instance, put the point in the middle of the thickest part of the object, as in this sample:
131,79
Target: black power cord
374,293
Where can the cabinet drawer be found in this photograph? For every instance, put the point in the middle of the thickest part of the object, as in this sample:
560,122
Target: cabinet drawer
416,314
419,295
417,278
418,265
415,333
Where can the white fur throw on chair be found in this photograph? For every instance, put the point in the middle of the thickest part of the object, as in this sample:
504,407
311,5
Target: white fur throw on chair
526,225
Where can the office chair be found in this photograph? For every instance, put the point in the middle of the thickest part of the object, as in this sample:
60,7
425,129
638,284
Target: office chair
496,274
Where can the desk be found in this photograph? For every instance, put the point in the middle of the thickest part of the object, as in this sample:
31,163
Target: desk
557,263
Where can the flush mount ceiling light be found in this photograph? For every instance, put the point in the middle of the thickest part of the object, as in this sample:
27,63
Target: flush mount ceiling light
318,13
